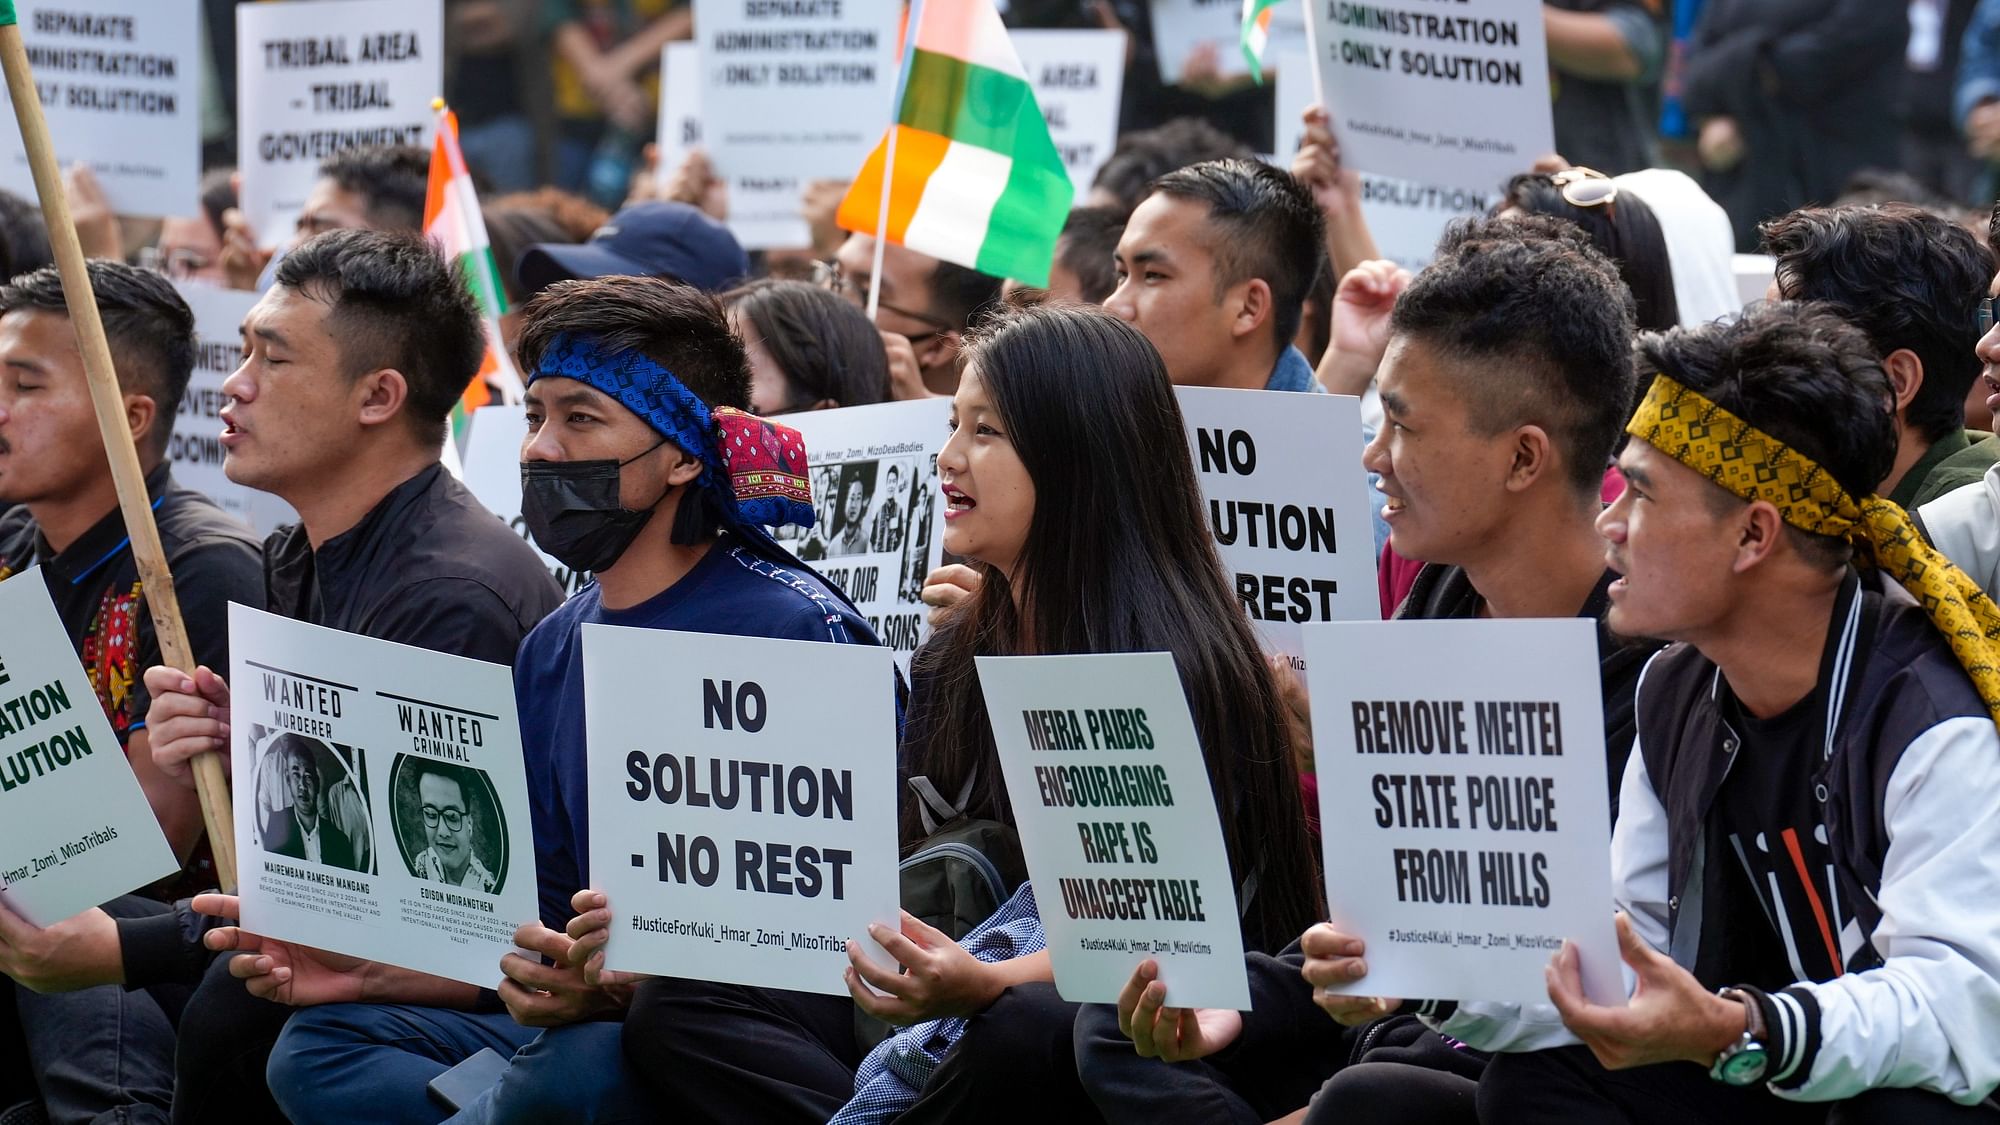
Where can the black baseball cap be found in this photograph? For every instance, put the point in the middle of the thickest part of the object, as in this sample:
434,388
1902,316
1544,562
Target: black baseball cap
657,239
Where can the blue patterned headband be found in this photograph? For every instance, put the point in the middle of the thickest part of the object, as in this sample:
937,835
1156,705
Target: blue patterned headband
755,468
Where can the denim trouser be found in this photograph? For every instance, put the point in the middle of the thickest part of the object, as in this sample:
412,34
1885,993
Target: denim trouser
372,1062
100,1055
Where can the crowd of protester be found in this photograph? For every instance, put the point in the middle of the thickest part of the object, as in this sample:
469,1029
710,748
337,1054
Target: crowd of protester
1553,409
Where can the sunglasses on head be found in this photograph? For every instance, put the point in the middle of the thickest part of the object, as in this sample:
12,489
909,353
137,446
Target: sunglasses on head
1584,187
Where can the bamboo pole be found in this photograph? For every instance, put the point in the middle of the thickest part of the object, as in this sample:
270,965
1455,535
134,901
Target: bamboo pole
211,784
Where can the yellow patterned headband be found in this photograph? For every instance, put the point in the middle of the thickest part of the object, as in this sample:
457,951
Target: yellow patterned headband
1747,462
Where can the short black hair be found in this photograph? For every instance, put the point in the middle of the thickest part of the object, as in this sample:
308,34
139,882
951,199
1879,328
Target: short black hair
961,296
149,327
392,181
1144,155
1624,228
677,326
1800,372
1088,242
1907,277
826,347
24,240
1267,226
394,303
1538,325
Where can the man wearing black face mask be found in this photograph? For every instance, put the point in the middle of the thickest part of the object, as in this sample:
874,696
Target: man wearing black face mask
351,365
641,466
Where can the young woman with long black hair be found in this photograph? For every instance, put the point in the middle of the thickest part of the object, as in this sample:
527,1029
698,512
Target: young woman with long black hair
1068,480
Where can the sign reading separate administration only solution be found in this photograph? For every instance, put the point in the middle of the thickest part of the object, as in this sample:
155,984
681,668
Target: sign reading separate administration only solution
1462,803
1111,796
1451,95
318,77
878,527
1287,502
120,85
75,828
381,798
742,803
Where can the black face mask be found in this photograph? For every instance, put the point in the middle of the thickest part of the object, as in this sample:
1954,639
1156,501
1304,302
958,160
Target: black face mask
572,510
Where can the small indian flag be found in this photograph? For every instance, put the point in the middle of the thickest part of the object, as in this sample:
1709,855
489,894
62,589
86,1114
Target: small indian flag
453,222
976,179
1257,34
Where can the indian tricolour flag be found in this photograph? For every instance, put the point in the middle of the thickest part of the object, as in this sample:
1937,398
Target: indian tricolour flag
1257,34
453,222
976,179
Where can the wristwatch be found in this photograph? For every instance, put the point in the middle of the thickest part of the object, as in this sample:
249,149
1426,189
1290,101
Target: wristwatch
1744,1062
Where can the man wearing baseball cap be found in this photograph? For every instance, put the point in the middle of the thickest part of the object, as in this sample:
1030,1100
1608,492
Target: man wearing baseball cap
654,239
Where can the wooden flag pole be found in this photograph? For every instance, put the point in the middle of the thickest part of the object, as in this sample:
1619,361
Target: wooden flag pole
210,782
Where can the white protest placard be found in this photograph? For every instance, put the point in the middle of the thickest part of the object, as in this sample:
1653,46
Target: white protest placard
1287,502
195,447
1462,812
75,828
381,798
743,820
878,509
1210,29
315,77
1118,824
680,103
119,83
1078,77
492,472
1458,97
792,91
1405,219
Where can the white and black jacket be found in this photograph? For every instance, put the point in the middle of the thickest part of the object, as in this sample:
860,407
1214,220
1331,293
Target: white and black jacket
1910,785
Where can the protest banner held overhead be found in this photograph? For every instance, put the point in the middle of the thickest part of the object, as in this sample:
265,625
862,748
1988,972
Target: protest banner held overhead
1202,37
120,86
1287,505
1456,97
382,800
680,103
792,91
1464,821
1078,77
876,530
1118,823
75,828
317,77
195,449
742,803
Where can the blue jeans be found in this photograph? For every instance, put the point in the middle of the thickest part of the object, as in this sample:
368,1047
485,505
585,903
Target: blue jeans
372,1062
101,1055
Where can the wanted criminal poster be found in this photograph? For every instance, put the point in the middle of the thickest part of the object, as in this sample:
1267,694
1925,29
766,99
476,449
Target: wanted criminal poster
1119,825
381,799
742,803
1461,797
75,828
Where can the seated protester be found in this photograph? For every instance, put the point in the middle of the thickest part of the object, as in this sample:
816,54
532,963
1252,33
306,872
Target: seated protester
1123,565
925,307
352,363
1913,281
1506,384
1213,267
1965,522
808,349
103,1050
1850,714
641,467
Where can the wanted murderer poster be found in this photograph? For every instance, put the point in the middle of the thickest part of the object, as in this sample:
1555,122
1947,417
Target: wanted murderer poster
743,818
1454,95
381,799
1287,502
878,510
75,828
119,83
791,91
1118,823
1461,796
317,77
195,447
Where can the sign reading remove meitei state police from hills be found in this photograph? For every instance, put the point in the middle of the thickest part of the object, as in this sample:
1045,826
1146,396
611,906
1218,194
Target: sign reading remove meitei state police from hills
75,828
